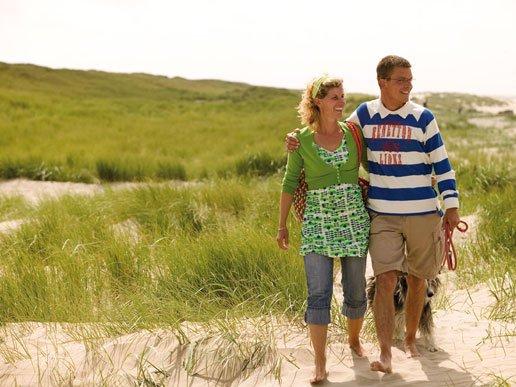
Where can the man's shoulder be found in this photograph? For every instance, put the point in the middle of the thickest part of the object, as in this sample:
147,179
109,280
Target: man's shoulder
370,106
364,112
418,110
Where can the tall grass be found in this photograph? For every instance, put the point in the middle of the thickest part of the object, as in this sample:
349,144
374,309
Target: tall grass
90,124
491,255
38,169
13,207
260,164
486,184
202,252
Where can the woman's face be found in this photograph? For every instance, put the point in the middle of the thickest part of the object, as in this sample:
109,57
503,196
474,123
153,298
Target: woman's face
332,105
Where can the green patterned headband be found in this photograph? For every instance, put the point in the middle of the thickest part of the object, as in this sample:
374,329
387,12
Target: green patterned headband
317,85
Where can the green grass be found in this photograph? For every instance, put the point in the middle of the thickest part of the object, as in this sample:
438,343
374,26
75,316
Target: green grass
260,164
13,207
83,125
201,251
484,163
491,256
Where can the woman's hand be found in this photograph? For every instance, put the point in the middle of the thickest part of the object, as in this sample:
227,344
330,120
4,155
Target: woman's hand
282,238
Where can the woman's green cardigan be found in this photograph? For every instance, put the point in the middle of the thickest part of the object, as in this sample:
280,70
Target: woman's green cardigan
318,174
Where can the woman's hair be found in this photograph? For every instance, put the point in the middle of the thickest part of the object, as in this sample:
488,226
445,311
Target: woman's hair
317,88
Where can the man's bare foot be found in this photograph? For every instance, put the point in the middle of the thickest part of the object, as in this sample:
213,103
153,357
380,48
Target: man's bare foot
320,372
316,379
357,347
383,365
411,349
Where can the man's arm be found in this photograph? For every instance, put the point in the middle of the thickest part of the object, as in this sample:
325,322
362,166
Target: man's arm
444,174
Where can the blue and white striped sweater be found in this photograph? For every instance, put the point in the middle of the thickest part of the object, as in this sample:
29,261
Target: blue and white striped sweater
403,147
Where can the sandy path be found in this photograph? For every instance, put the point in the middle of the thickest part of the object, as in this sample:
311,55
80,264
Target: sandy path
508,104
496,121
473,351
36,191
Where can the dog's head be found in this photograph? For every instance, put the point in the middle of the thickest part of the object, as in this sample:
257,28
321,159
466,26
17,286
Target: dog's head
400,292
432,286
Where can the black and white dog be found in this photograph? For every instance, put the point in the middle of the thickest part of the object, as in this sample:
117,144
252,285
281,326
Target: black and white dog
426,322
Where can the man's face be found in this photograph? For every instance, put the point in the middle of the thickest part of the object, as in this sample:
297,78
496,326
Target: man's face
396,88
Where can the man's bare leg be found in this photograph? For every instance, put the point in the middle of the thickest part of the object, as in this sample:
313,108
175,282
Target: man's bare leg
318,334
384,319
354,327
414,306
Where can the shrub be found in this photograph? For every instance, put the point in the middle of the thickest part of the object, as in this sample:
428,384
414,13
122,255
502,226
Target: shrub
259,164
170,171
111,170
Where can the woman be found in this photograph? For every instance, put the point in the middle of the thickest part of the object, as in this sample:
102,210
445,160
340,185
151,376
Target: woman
335,222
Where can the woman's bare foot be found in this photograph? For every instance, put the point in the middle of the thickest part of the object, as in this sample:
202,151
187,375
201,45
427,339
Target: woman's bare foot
320,372
356,347
411,349
383,365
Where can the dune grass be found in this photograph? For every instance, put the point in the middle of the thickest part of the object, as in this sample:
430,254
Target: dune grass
87,125
13,207
490,257
199,252
484,163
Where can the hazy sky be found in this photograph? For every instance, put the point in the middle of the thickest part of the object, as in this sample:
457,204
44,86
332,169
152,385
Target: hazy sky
463,45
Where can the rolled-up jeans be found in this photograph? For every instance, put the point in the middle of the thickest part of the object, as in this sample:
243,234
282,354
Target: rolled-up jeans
319,279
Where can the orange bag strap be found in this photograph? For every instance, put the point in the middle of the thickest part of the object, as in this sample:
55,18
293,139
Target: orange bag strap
355,131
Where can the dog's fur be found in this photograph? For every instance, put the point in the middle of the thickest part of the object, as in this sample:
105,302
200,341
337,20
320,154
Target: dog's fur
426,322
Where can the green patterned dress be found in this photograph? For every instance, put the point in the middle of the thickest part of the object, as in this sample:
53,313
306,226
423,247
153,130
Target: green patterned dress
336,223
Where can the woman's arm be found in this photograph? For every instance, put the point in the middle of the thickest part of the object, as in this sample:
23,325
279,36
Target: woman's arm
285,204
292,172
289,185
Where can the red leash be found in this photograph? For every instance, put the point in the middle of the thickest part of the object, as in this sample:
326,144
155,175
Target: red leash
450,256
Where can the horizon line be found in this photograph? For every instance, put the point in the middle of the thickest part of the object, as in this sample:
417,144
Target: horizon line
504,96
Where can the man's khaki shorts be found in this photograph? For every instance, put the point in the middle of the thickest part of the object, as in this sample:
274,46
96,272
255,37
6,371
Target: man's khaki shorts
409,244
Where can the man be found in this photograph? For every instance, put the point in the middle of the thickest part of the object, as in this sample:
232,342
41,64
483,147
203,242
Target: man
403,147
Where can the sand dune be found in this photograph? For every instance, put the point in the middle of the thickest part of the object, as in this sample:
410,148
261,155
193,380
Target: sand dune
472,351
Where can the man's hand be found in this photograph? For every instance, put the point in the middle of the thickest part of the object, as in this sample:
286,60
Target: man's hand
282,238
452,218
291,141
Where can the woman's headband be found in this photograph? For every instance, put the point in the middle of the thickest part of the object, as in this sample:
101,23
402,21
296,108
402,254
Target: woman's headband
317,85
